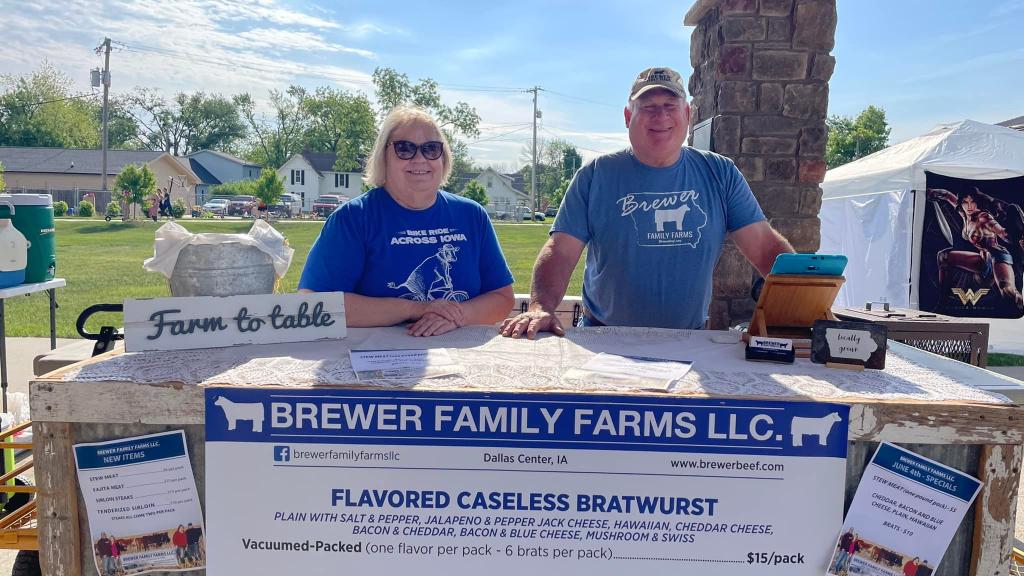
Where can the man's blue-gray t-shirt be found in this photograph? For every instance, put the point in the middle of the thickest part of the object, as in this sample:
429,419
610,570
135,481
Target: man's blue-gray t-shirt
654,235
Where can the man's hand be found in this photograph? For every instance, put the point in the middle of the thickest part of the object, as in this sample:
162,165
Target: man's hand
432,324
531,322
451,311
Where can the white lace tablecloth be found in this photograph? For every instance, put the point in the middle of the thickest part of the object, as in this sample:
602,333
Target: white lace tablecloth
501,364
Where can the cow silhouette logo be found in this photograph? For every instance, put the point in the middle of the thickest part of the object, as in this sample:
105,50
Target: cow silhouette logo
235,411
820,427
432,279
675,216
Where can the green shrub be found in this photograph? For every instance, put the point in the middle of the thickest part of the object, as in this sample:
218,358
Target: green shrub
178,208
206,215
113,209
86,209
60,208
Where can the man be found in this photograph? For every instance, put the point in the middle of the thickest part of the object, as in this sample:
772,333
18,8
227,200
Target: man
653,218
924,569
103,550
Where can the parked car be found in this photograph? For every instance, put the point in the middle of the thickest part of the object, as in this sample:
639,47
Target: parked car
293,202
218,206
527,215
241,205
552,211
326,204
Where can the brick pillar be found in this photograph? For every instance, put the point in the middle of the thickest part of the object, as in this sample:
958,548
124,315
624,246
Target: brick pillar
762,67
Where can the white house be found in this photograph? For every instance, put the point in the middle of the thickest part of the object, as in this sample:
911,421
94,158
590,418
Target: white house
311,174
501,193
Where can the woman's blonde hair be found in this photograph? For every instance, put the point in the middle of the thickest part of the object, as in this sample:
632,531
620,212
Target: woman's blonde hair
376,165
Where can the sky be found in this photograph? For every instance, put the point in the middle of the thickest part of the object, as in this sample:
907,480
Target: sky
924,61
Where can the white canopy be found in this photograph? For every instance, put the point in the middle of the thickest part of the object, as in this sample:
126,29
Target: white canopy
870,213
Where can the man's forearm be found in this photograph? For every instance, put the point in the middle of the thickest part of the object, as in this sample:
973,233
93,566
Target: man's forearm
551,275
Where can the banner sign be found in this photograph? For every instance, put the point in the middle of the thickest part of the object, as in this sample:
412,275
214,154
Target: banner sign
143,508
408,482
904,515
214,321
972,247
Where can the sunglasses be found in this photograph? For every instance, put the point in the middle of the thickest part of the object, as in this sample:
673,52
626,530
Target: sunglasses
406,150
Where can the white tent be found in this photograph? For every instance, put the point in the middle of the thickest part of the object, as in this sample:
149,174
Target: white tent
871,213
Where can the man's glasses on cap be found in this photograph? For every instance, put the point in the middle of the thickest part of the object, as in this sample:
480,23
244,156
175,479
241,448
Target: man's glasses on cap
406,150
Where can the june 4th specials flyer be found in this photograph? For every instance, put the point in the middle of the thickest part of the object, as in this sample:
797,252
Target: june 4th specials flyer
465,483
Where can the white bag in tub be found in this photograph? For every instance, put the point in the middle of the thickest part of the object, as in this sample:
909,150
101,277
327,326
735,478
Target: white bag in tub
213,264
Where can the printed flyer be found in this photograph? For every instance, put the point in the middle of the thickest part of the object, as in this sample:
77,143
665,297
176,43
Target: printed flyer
903,516
400,481
144,512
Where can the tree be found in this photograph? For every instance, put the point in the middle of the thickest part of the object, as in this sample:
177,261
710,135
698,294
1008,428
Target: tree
556,198
557,161
269,187
236,188
275,139
122,128
394,89
342,123
3,185
40,109
138,181
474,191
186,124
850,139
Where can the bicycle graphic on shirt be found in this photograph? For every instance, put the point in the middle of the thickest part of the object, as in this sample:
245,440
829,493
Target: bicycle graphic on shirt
432,279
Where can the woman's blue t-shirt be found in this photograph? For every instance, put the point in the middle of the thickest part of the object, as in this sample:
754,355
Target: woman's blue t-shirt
373,246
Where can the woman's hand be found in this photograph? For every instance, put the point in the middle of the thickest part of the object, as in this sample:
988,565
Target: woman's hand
451,311
432,324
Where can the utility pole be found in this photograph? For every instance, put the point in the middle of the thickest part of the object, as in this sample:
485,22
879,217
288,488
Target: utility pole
533,172
105,47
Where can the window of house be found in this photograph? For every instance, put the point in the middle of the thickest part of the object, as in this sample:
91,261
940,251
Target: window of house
340,180
299,177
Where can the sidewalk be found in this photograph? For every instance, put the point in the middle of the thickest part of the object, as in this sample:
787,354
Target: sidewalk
20,353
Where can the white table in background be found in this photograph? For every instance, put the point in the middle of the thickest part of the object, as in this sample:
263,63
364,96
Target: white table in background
50,286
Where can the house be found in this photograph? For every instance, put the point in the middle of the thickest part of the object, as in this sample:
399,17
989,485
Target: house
311,174
68,173
214,167
501,193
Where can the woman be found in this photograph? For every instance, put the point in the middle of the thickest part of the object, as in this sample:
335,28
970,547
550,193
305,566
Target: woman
992,262
165,206
910,568
407,251
180,541
154,206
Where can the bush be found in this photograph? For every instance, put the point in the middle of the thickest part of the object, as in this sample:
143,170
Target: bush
60,208
178,208
206,215
86,209
113,209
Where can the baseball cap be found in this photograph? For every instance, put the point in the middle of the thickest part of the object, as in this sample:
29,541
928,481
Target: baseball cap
653,78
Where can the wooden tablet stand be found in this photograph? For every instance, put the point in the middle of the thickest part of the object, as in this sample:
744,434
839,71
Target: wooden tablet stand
789,305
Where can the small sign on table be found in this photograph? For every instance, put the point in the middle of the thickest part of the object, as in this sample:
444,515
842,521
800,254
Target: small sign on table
217,322
855,345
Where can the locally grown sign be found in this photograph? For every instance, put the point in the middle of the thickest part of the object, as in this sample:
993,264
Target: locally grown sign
854,343
215,322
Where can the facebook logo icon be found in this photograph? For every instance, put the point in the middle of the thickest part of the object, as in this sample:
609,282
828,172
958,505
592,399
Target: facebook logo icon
282,454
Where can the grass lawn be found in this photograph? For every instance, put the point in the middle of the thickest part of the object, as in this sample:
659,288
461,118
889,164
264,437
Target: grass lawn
998,359
102,263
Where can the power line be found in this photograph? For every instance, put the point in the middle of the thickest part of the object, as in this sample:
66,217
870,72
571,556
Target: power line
477,141
89,95
580,98
573,143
